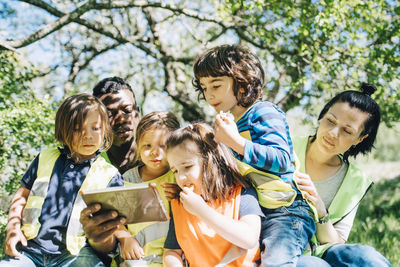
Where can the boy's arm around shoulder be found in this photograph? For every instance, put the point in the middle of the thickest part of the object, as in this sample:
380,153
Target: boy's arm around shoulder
14,233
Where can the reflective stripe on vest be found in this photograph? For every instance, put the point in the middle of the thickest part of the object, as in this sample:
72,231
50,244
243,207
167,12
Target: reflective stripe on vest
201,245
33,208
75,238
352,190
272,192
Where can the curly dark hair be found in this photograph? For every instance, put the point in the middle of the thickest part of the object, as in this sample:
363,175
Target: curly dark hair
236,62
111,85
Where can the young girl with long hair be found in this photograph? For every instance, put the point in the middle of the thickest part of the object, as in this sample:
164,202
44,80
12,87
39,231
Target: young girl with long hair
216,219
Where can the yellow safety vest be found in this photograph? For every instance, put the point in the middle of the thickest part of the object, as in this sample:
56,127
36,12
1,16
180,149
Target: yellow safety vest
152,235
99,176
272,191
352,190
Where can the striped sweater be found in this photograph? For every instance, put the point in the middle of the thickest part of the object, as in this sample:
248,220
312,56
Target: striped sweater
268,145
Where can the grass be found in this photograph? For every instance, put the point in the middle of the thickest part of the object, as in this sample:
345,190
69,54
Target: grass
378,220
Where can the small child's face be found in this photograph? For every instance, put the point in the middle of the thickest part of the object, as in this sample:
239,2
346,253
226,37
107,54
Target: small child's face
152,150
218,92
86,142
187,165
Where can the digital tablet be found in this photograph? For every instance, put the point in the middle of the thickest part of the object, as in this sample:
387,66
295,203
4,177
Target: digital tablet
137,203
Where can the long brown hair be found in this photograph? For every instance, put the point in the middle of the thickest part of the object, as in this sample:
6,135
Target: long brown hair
220,171
71,116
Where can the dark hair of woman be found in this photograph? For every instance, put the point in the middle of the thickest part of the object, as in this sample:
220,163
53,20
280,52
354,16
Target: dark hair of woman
363,101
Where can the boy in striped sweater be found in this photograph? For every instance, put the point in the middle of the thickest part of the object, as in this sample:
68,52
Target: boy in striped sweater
231,79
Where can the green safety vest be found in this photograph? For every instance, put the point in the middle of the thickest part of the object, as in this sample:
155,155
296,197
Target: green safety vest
352,190
75,238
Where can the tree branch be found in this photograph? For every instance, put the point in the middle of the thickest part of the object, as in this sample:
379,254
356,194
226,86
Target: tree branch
192,112
51,27
76,67
136,41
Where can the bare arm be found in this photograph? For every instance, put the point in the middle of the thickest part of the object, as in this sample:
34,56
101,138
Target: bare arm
243,233
14,233
130,247
172,258
326,233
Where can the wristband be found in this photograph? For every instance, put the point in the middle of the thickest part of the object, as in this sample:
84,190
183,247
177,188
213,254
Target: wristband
324,219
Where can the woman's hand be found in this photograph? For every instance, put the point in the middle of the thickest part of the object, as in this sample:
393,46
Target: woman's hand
130,248
306,185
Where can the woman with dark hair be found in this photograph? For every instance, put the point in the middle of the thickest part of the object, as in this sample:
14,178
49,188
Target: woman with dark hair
348,126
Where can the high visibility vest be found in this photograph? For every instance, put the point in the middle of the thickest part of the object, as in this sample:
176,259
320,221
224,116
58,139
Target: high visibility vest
99,176
201,245
352,190
272,191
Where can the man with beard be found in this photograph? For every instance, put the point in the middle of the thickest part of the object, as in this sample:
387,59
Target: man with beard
124,115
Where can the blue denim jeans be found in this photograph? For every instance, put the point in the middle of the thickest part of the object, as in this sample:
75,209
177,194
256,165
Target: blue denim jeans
307,261
352,255
346,255
285,233
86,257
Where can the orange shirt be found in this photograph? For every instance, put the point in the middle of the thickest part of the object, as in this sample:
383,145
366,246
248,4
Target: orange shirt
201,245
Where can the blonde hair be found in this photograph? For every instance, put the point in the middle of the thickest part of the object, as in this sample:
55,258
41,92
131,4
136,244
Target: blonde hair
71,116
152,121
